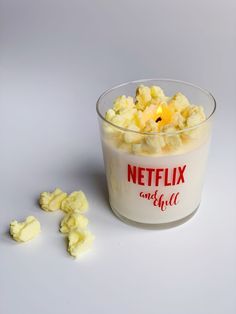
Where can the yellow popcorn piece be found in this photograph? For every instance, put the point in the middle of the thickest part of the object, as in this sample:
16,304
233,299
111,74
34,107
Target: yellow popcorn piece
155,142
179,102
128,114
110,114
79,242
137,148
130,137
157,93
150,112
151,126
52,201
76,201
72,222
122,102
143,97
172,140
196,115
178,120
26,230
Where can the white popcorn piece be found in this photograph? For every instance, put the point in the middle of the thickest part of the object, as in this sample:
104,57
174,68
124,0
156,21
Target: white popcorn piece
79,242
26,230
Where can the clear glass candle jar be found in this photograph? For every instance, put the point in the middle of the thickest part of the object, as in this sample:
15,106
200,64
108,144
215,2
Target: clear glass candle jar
155,186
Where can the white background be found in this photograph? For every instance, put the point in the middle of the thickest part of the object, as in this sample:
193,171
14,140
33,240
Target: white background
56,57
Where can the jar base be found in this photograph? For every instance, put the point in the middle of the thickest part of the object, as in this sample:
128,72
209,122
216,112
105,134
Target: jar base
166,225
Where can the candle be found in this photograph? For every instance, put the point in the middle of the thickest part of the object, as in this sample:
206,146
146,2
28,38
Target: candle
155,149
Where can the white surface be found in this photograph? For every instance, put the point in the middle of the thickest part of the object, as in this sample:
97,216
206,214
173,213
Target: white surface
56,57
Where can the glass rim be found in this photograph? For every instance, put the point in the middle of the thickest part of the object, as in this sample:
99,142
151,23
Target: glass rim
155,133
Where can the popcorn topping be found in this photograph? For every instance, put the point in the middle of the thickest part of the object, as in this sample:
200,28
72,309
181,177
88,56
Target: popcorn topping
152,112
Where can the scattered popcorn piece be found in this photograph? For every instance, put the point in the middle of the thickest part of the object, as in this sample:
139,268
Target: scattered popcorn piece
79,242
179,102
26,230
76,201
52,201
72,222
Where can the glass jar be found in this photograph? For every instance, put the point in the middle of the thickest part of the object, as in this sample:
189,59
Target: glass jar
149,181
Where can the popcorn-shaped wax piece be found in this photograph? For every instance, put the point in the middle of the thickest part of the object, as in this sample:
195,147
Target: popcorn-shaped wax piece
119,120
151,126
125,147
122,102
52,201
179,102
128,114
79,242
130,137
157,93
155,143
110,114
172,140
76,201
178,120
26,230
195,116
72,222
150,112
137,148
125,118
143,97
